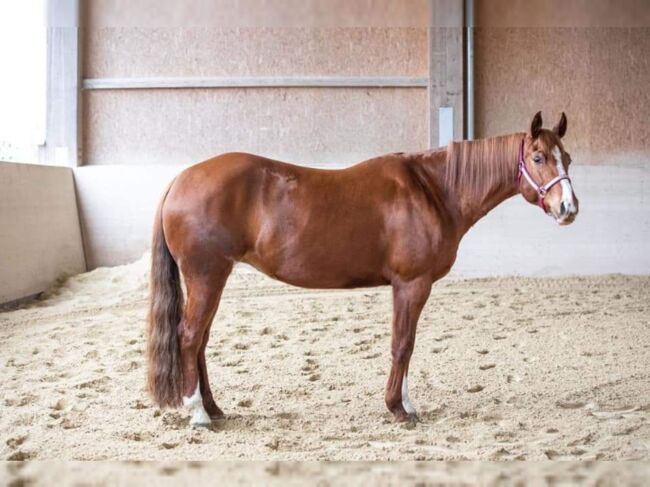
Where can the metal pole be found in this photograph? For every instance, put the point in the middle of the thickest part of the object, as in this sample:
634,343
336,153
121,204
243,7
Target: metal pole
469,66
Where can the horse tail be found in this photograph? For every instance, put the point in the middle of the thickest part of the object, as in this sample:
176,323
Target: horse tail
165,377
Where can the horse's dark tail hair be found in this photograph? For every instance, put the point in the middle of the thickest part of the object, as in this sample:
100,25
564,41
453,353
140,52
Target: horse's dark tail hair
165,375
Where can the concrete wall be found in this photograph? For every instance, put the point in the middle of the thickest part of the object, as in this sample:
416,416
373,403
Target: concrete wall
40,239
116,209
609,236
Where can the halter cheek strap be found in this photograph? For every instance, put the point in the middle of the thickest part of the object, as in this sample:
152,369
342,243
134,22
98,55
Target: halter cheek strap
541,190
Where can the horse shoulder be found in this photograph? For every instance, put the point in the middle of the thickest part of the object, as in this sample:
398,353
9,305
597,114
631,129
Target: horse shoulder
424,229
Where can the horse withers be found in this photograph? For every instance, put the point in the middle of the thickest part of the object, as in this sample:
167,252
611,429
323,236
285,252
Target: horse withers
393,220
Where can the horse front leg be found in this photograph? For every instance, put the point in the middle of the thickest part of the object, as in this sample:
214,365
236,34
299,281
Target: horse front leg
408,300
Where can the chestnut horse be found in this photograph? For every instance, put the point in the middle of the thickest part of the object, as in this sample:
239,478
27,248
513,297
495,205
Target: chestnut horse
394,220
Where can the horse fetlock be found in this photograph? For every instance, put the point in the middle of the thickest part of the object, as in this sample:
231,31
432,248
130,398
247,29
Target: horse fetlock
394,403
400,415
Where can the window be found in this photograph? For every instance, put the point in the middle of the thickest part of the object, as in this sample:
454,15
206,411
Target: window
23,86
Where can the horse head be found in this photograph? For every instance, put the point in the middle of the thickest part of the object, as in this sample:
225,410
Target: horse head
544,171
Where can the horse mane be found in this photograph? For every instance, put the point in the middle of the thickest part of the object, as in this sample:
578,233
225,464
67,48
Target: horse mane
484,165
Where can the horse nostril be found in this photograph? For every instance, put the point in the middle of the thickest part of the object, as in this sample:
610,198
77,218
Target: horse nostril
563,209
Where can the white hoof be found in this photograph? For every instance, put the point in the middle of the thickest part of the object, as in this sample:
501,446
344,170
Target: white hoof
200,418
194,404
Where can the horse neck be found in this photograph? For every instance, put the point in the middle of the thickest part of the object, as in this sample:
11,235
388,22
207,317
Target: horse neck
481,174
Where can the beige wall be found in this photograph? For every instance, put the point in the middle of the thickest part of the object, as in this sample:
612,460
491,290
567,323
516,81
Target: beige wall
585,57
141,137
256,13
316,125
610,234
40,240
590,59
254,51
562,13
597,71
117,206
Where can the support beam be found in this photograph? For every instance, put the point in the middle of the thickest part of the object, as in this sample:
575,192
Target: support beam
63,82
256,82
445,70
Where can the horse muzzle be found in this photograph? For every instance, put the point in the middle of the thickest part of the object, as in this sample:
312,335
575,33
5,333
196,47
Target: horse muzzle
566,213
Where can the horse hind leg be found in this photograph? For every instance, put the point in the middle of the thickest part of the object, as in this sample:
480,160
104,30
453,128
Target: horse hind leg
209,403
203,295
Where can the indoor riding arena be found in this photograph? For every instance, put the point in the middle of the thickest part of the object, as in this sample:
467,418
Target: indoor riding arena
477,290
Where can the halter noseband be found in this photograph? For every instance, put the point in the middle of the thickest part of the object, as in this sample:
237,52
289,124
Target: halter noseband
541,190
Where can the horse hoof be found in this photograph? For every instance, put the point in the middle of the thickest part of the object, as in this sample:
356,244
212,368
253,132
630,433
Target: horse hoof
200,419
200,424
404,417
214,411
401,416
218,414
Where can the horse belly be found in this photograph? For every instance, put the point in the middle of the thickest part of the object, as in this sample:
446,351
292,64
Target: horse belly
322,260
318,277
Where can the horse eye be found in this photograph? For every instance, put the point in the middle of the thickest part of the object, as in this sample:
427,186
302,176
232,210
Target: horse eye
537,159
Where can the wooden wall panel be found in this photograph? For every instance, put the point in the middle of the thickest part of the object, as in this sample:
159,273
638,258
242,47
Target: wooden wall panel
562,13
256,13
319,126
599,76
588,58
203,51
316,125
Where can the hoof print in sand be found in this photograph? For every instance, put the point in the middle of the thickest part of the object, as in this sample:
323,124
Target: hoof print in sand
174,420
475,388
487,366
21,456
16,441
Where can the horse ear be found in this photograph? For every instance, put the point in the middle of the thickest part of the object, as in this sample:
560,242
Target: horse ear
536,126
560,128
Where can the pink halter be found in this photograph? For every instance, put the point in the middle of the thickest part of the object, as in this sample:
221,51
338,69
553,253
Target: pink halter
541,190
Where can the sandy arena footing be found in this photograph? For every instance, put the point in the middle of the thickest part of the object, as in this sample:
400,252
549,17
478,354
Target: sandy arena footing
508,368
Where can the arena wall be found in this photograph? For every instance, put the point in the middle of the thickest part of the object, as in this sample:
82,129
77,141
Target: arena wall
40,240
585,58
